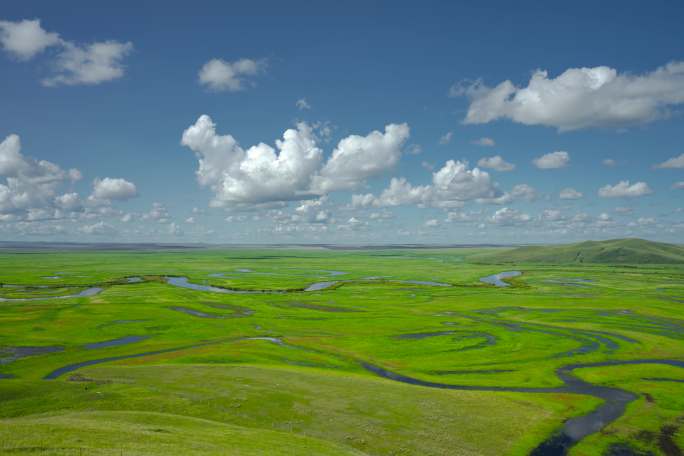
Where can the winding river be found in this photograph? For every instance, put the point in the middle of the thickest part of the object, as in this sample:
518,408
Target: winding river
575,429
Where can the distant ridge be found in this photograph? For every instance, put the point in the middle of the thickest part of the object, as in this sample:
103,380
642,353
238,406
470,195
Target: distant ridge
614,251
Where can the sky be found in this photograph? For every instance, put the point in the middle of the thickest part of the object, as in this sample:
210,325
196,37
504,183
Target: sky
341,122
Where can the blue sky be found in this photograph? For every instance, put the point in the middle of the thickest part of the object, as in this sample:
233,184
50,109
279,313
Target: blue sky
451,101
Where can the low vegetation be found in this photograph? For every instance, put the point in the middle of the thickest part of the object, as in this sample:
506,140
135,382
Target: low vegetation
170,370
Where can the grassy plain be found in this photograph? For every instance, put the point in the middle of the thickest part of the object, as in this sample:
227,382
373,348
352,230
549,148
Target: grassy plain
282,373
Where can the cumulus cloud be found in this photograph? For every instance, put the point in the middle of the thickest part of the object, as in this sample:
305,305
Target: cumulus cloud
570,194
507,216
69,201
518,192
553,160
484,142
497,163
30,185
432,223
357,158
524,191
98,229
459,217
294,170
25,39
110,189
672,163
158,213
609,162
579,98
399,193
678,185
451,186
75,63
174,229
302,104
90,64
312,211
220,75
259,174
552,215
624,189
446,137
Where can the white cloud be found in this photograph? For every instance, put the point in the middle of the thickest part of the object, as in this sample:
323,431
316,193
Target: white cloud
579,98
455,182
414,149
98,229
302,104
604,219
30,185
432,223
497,163
609,162
357,158
459,217
90,64
311,211
109,189
524,191
678,185
259,174
552,215
570,194
672,163
645,221
507,216
25,39
158,213
74,63
69,201
219,75
399,193
174,229
446,137
295,171
624,189
484,142
520,191
553,160
451,186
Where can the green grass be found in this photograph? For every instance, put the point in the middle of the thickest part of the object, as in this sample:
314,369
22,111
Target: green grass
310,395
616,251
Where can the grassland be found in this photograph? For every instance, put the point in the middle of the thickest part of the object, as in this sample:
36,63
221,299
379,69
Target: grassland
283,373
615,251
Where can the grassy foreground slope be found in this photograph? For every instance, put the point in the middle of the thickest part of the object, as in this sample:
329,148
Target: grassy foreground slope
615,251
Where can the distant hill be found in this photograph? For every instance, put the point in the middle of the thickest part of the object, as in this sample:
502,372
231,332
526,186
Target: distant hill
615,251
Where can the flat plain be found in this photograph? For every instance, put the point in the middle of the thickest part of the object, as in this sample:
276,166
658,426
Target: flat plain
298,351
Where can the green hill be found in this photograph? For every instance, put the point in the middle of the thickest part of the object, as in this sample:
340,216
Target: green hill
615,251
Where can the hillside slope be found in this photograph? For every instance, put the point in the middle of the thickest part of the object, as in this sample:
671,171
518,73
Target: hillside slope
615,251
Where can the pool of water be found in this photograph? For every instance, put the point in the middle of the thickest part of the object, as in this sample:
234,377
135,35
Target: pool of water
498,279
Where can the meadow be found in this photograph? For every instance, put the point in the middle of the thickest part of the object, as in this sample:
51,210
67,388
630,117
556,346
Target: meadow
393,352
